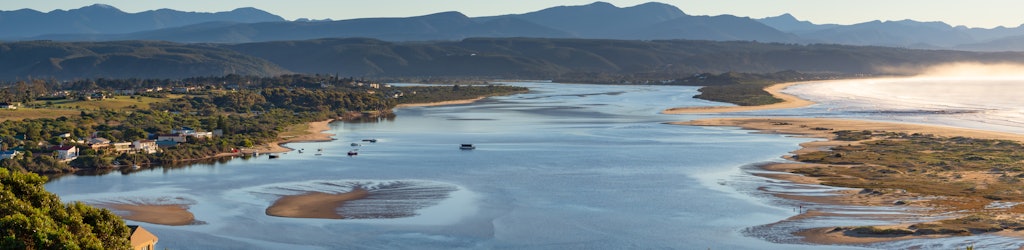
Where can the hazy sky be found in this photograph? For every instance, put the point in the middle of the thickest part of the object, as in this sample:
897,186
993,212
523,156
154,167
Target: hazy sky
973,13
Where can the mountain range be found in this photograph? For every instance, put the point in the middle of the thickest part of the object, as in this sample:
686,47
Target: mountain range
599,20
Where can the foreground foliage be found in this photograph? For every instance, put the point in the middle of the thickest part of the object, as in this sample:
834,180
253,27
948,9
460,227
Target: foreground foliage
32,218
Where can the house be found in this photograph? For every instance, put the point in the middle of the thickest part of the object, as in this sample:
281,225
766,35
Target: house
166,144
122,147
145,146
8,105
64,135
141,238
9,154
172,137
202,135
98,142
183,130
65,152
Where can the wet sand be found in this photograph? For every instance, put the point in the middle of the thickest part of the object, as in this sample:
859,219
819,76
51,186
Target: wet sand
788,101
431,104
815,127
171,215
314,204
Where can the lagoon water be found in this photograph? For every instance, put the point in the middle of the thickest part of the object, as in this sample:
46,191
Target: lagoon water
563,167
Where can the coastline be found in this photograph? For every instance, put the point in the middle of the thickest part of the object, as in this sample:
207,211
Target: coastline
922,207
314,133
788,102
431,104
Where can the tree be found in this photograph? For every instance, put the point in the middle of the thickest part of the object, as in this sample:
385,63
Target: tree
36,219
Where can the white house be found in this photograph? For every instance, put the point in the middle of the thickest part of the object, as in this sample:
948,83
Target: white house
65,152
145,146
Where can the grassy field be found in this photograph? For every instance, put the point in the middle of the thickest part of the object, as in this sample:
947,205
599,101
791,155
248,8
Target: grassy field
116,103
295,130
31,113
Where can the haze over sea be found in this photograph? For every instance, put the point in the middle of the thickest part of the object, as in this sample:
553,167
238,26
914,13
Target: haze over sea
564,166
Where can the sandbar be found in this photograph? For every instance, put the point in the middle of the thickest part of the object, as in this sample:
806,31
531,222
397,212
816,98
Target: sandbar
431,104
314,204
171,215
788,101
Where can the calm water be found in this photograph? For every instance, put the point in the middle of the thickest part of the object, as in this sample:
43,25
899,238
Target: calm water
562,167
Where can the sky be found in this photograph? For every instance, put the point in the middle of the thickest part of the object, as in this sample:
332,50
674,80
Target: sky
974,13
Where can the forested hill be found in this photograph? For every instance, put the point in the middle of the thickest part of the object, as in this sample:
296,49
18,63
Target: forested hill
524,58
564,58
125,59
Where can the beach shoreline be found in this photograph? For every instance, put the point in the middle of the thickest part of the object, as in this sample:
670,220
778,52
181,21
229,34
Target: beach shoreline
788,102
315,133
822,128
444,103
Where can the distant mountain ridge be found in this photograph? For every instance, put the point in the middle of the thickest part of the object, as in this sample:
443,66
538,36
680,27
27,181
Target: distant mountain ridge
903,33
105,19
598,20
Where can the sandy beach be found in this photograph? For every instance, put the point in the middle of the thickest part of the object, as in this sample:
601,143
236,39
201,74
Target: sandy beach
788,101
815,127
314,133
431,104
171,215
314,204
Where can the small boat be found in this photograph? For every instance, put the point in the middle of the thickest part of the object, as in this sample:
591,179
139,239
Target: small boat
355,144
466,146
136,167
353,153
370,140
319,154
273,156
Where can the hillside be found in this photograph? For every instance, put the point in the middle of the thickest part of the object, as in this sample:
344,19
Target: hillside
124,59
534,58
558,58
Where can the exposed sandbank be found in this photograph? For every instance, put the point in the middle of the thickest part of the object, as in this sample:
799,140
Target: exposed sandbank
171,215
314,204
788,101
430,104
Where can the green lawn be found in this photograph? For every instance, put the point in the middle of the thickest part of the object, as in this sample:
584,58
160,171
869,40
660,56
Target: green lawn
31,113
114,103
